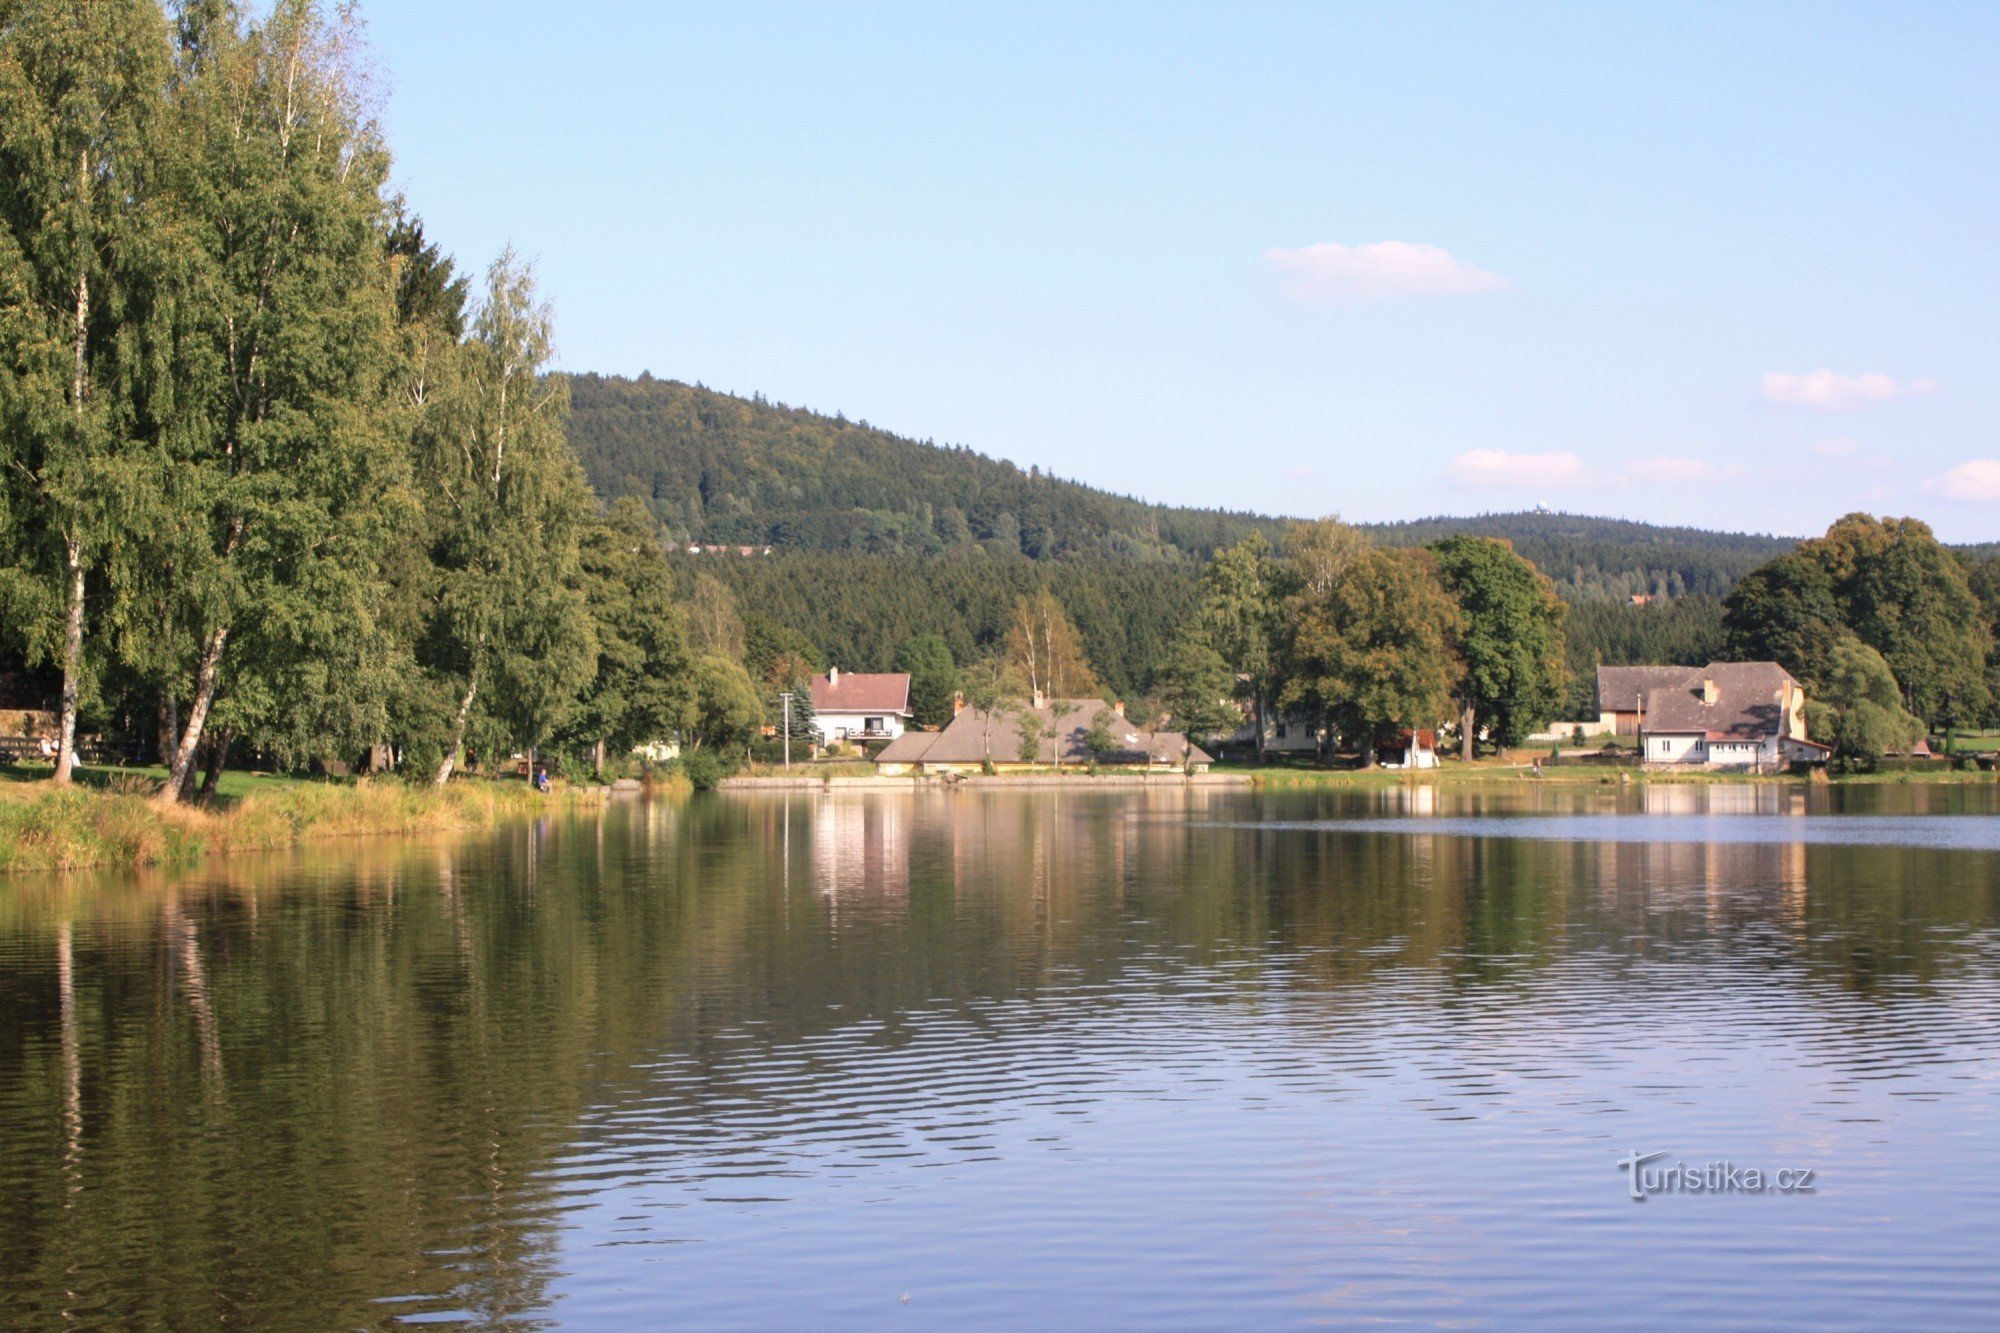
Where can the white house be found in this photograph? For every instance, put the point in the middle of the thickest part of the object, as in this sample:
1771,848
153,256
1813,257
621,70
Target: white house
859,706
1739,715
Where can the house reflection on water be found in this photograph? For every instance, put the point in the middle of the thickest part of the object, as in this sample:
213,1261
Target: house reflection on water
860,851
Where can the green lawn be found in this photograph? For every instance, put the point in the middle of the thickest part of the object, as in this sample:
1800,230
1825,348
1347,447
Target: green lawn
235,784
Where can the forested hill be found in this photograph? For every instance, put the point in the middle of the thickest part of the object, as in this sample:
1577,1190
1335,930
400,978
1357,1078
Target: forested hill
717,468
722,469
1614,557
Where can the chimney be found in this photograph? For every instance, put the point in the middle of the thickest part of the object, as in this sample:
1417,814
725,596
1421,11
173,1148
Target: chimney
1040,700
957,702
1119,708
1709,694
833,678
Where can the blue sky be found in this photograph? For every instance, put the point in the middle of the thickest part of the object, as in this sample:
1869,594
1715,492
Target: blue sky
1731,265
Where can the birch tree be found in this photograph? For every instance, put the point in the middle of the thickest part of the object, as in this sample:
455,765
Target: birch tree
1044,650
284,462
508,501
81,86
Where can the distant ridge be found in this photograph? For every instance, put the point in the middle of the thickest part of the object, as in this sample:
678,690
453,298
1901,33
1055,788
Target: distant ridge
714,467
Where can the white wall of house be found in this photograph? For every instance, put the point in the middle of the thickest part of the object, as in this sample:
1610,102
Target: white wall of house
1693,749
853,726
1735,754
1689,749
1282,733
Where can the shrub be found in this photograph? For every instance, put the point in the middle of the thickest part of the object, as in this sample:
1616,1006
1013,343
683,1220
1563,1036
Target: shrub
704,769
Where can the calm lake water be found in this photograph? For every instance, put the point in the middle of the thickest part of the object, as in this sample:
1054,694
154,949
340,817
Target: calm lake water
1001,1059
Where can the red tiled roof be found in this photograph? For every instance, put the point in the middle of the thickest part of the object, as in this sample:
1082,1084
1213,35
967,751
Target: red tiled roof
862,692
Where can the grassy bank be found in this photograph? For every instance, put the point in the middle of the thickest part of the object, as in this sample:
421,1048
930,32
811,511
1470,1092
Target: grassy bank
111,820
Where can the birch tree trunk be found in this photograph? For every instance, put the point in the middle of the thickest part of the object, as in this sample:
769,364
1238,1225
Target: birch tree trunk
206,677
72,549
72,660
457,733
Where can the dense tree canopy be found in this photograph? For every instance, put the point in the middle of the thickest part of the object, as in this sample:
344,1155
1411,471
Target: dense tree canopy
933,678
1378,647
1510,640
1899,591
1859,709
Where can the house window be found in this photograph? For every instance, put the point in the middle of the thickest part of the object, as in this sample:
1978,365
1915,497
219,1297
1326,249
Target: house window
872,724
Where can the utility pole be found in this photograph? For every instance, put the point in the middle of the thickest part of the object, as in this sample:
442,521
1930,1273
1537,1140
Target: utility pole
786,697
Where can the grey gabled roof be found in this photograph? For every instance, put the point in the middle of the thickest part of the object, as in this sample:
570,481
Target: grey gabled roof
963,741
1749,703
1621,688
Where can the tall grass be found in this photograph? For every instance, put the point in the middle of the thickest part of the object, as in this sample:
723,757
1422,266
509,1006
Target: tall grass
75,828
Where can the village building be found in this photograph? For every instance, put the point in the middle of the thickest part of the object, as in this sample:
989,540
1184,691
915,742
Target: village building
1622,690
1285,732
1726,715
1408,748
966,743
857,706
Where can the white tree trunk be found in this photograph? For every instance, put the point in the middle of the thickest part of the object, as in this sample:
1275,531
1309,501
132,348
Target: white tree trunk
457,733
72,660
204,697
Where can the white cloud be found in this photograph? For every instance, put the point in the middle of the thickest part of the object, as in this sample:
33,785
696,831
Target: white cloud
1333,274
1835,446
1978,479
1498,469
1828,391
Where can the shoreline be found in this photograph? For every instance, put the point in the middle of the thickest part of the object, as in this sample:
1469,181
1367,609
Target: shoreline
46,828
118,826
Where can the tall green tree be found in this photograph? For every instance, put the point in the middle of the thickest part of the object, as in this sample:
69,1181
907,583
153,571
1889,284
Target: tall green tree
644,689
727,709
933,678
510,629
1380,643
1897,588
1859,710
1198,688
1905,596
1785,612
84,239
1237,610
803,717
713,620
985,684
1510,639
285,466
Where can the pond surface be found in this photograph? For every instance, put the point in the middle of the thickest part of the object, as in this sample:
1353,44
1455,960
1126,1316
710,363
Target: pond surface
1195,1058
